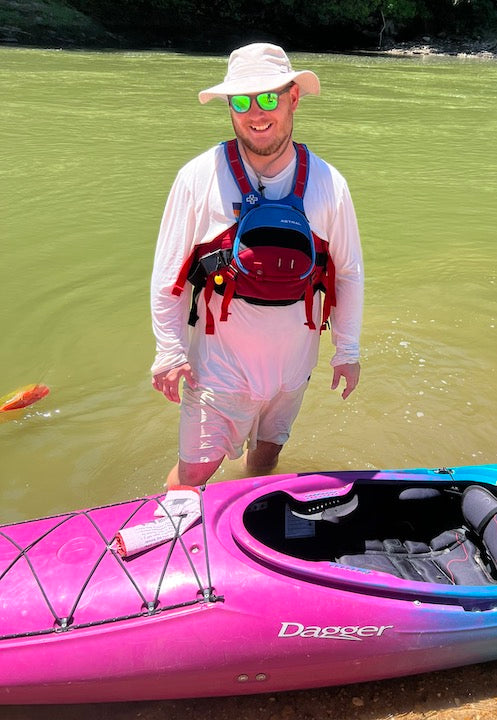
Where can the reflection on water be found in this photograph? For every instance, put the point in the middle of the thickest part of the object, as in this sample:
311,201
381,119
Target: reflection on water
90,145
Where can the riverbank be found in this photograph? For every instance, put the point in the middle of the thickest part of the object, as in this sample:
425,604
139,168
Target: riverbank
482,48
50,24
53,24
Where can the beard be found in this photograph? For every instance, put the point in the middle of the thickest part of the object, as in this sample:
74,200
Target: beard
278,145
272,149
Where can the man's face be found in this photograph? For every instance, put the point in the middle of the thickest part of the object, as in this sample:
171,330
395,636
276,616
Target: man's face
264,132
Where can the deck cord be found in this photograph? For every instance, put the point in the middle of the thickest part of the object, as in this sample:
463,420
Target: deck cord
148,607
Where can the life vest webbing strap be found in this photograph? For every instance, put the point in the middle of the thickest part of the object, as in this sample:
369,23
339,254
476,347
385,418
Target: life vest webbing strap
236,167
241,178
193,317
308,303
229,292
183,274
209,318
302,172
329,295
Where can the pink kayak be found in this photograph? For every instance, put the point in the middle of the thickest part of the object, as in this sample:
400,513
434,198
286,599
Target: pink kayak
277,583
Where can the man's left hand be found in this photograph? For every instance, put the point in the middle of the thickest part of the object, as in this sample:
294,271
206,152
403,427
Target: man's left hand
350,372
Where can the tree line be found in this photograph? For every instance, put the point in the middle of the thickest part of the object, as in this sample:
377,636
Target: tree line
300,24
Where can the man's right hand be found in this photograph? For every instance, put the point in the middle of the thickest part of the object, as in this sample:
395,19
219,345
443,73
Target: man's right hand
167,382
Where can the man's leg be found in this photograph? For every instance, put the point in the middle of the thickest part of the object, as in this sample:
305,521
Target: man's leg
275,422
194,474
263,458
211,425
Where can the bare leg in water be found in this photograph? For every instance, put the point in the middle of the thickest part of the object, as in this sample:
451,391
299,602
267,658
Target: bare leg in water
263,458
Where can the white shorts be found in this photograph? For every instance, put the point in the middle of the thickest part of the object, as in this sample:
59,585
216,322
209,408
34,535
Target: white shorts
214,425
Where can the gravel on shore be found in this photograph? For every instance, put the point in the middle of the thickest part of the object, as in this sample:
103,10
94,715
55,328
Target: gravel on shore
460,694
484,49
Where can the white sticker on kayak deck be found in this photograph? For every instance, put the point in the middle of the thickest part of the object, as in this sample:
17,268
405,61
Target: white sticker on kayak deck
173,516
297,527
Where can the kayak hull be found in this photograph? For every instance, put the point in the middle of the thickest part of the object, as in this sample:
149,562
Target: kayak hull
217,612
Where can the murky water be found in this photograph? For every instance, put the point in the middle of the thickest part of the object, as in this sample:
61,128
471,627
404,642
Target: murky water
89,146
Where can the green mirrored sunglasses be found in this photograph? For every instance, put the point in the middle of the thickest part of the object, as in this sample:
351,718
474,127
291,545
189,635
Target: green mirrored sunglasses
266,101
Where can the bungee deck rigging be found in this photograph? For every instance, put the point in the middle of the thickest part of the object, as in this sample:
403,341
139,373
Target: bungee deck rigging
150,598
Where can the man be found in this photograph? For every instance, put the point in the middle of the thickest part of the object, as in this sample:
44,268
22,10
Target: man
245,369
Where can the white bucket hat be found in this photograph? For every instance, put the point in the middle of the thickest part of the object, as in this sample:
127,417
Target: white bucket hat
258,68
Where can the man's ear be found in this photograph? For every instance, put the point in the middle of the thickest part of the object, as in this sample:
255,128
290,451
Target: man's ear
294,96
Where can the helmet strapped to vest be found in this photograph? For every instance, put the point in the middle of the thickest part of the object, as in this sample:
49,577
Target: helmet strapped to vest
270,257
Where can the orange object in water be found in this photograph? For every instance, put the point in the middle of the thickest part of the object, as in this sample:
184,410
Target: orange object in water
22,397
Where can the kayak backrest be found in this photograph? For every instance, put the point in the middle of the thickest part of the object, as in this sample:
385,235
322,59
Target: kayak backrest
450,558
479,508
461,555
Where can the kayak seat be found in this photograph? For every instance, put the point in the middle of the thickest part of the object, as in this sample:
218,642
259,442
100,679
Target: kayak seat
463,556
479,507
445,535
451,558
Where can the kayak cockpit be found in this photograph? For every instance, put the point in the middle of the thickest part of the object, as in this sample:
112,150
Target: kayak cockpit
395,534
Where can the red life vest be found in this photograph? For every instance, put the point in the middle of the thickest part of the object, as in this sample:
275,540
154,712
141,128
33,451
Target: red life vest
269,257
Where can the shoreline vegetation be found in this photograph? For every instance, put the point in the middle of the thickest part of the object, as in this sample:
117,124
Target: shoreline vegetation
59,24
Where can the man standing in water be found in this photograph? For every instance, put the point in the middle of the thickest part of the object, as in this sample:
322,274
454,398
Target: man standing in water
247,359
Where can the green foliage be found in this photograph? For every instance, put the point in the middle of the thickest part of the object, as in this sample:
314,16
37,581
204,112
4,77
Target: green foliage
202,24
401,11
48,22
288,17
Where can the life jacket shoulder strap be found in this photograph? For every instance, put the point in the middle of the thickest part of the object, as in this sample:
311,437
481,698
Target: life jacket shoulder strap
302,170
235,164
242,181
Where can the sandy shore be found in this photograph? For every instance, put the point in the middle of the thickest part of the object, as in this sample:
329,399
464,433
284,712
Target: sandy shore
461,694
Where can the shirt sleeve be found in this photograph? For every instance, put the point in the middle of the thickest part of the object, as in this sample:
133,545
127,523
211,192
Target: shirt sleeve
346,316
170,312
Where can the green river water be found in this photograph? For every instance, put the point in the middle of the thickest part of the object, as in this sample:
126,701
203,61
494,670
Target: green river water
89,146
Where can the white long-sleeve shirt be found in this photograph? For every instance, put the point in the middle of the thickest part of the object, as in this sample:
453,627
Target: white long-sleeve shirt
260,350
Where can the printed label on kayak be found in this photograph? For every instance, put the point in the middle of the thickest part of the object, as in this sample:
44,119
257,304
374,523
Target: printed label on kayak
297,527
332,632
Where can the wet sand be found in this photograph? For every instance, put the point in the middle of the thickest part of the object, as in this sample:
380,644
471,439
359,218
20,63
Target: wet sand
460,694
